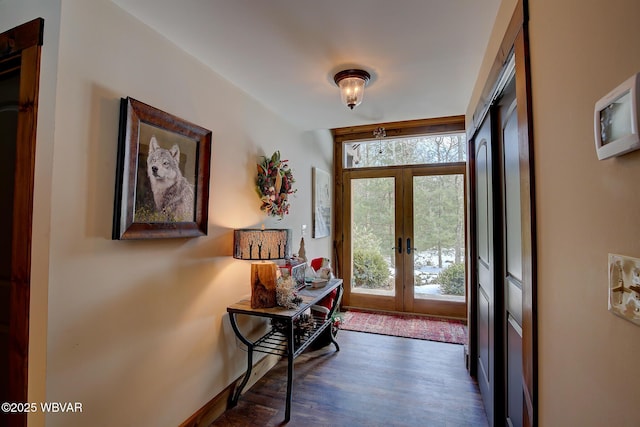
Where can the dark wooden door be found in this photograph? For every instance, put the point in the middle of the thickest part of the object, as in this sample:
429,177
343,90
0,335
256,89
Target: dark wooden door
503,342
512,262
501,196
486,258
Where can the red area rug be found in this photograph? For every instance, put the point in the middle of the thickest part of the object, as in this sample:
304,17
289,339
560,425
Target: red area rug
406,325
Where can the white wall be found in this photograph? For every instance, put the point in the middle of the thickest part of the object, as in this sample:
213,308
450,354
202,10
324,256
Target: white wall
137,330
585,209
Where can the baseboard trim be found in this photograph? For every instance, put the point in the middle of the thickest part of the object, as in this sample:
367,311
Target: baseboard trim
217,406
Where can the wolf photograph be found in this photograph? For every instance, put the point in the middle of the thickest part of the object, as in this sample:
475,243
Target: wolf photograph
165,177
162,175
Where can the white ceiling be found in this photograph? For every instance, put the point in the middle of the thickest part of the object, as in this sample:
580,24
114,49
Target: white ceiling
423,55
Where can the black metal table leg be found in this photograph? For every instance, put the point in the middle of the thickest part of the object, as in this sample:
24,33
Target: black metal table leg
290,354
236,394
333,338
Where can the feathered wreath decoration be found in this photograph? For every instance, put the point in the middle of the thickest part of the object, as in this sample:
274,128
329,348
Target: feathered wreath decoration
274,184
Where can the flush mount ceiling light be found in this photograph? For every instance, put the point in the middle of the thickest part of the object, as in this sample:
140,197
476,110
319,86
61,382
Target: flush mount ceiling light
352,83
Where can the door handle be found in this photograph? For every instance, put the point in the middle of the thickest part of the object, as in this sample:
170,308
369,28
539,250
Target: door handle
409,248
399,247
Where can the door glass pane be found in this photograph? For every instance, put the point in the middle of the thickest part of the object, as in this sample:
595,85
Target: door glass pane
412,150
372,235
438,230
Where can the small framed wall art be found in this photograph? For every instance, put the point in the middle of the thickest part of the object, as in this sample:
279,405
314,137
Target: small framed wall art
162,175
321,201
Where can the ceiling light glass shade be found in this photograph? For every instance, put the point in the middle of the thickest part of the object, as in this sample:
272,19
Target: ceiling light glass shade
352,83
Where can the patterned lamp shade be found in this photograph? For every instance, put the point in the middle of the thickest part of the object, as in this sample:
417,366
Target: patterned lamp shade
255,244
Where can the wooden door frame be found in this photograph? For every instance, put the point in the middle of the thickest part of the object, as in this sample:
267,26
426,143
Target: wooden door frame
25,42
515,41
441,125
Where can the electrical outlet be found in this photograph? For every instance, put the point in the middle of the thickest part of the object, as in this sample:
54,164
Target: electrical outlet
624,287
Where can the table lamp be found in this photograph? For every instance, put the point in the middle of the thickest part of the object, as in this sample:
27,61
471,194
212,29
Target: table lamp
262,245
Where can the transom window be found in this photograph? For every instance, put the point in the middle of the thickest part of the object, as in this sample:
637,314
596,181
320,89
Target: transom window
411,150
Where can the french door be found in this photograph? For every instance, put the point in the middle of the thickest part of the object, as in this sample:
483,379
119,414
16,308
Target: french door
406,234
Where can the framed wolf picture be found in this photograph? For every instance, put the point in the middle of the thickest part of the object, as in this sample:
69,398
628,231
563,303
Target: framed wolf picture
162,175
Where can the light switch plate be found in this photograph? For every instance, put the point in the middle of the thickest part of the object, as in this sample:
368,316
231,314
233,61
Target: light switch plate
624,287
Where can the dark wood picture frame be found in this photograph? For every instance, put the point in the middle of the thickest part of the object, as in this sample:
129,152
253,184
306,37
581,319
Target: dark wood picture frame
165,195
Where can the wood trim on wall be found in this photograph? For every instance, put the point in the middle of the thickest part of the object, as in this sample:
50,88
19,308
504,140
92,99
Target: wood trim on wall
398,129
24,42
17,39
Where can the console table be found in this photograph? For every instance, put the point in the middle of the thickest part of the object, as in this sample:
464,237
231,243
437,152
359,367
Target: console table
285,340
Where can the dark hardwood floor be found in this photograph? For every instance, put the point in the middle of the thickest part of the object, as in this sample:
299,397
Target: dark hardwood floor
374,380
